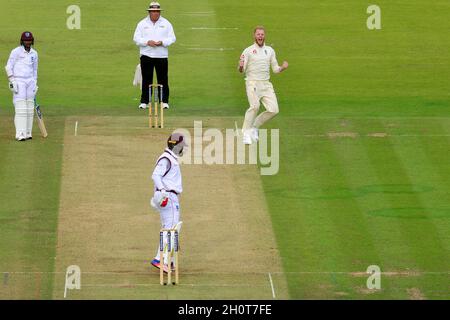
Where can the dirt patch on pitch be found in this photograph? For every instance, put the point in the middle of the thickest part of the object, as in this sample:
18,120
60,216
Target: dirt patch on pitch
106,225
354,135
366,291
334,135
415,294
390,274
378,135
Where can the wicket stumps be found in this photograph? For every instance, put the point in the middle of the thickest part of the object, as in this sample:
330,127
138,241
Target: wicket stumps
154,104
172,256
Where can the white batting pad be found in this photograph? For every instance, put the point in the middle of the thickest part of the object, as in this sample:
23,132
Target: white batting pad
30,115
20,118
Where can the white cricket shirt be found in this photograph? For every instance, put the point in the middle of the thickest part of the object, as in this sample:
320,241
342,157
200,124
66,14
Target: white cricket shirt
167,173
22,64
257,62
161,30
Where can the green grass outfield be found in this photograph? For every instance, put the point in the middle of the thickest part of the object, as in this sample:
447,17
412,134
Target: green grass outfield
364,131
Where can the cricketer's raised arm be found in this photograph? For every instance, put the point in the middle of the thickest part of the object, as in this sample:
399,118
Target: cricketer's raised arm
274,63
243,61
276,68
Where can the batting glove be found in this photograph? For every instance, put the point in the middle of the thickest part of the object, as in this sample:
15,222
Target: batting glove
13,86
161,198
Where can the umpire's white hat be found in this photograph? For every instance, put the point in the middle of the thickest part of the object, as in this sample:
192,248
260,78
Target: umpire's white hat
154,6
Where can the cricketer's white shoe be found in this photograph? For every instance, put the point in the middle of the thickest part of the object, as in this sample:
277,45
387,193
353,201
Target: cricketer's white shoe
142,106
165,105
246,138
21,137
254,134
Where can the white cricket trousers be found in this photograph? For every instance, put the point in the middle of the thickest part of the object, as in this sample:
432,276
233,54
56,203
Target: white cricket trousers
24,106
170,216
259,92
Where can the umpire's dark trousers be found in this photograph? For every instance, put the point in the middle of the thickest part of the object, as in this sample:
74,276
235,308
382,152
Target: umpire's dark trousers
161,65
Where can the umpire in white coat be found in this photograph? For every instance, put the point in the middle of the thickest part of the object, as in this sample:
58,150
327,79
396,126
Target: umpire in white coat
153,36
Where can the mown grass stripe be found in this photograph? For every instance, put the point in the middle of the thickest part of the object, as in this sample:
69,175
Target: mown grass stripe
390,170
29,193
312,239
355,240
303,244
426,164
361,186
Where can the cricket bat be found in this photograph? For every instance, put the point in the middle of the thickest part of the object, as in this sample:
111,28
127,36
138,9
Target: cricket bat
40,119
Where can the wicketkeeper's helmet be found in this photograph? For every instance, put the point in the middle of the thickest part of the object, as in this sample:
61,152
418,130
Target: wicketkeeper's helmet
26,36
176,142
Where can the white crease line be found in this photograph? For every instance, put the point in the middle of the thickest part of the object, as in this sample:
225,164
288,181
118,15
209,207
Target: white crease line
371,135
211,49
370,118
76,128
420,135
189,45
271,285
245,273
130,285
